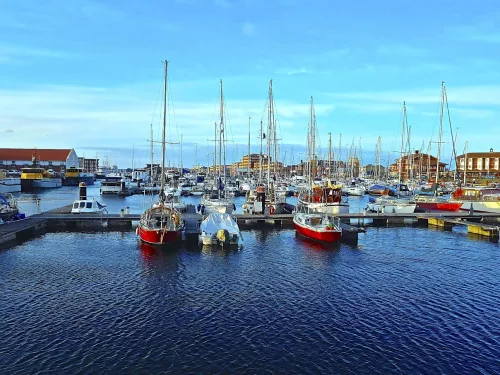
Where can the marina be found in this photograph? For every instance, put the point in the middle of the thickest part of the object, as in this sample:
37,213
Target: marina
482,224
249,187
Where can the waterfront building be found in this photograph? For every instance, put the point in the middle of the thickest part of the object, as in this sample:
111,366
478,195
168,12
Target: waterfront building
479,164
56,159
373,171
89,165
416,165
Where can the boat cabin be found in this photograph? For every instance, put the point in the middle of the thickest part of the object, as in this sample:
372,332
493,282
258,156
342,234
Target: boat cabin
87,206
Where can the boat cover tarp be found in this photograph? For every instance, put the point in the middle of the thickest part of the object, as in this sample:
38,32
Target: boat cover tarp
216,221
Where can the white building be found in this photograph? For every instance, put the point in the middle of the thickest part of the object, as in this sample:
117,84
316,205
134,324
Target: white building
56,159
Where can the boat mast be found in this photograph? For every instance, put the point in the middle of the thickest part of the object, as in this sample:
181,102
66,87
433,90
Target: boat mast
340,156
402,143
215,150
248,160
220,141
269,134
260,154
453,139
163,136
465,163
181,156
329,157
152,152
440,134
223,135
311,140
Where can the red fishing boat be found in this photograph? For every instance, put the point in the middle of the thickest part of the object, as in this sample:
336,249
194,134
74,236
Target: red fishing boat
161,224
317,227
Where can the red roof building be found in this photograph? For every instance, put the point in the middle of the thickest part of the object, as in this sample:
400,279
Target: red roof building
56,159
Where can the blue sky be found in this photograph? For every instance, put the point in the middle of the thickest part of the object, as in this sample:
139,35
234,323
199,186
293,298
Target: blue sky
86,74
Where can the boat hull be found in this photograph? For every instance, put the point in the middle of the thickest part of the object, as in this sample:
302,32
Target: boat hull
439,206
323,236
74,181
355,191
44,183
216,208
392,208
482,206
328,208
10,185
158,236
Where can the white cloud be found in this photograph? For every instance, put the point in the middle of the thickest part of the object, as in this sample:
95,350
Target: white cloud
464,95
13,53
121,116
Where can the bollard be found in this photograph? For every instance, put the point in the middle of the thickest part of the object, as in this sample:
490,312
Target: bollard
127,211
121,212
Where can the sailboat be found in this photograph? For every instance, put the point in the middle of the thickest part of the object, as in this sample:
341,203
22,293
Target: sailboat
162,223
433,203
395,204
323,199
316,226
266,197
215,200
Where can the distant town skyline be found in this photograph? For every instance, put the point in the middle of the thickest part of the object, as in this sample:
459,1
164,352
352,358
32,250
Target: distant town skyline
87,74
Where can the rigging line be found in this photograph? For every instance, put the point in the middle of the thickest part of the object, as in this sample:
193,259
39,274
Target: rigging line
157,100
453,139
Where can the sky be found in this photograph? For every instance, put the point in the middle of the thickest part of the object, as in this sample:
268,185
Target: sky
87,75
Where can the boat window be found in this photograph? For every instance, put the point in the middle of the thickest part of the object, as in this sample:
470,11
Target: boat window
75,205
89,205
82,204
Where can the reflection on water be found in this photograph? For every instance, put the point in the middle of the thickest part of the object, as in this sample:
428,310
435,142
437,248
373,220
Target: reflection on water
412,301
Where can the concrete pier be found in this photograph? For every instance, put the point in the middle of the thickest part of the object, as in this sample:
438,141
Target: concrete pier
62,219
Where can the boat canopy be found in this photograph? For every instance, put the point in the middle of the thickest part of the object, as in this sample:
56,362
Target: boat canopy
217,221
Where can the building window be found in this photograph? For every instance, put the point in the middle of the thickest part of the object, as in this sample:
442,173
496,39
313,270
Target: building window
1,162
50,163
13,162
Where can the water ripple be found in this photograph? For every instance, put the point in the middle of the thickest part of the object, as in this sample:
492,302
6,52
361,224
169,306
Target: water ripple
405,300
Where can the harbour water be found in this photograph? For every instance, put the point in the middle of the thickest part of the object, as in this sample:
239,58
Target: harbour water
403,300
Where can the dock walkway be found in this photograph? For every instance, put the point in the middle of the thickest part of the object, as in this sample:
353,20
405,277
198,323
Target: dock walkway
62,219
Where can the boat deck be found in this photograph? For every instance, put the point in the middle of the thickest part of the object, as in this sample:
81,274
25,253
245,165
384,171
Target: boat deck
62,219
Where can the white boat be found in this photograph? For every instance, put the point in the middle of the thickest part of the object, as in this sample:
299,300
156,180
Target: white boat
219,229
357,191
392,205
173,198
216,205
88,205
10,185
47,183
112,184
198,190
480,199
151,189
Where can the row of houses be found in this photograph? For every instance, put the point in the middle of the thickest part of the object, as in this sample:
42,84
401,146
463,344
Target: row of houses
474,164
59,160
